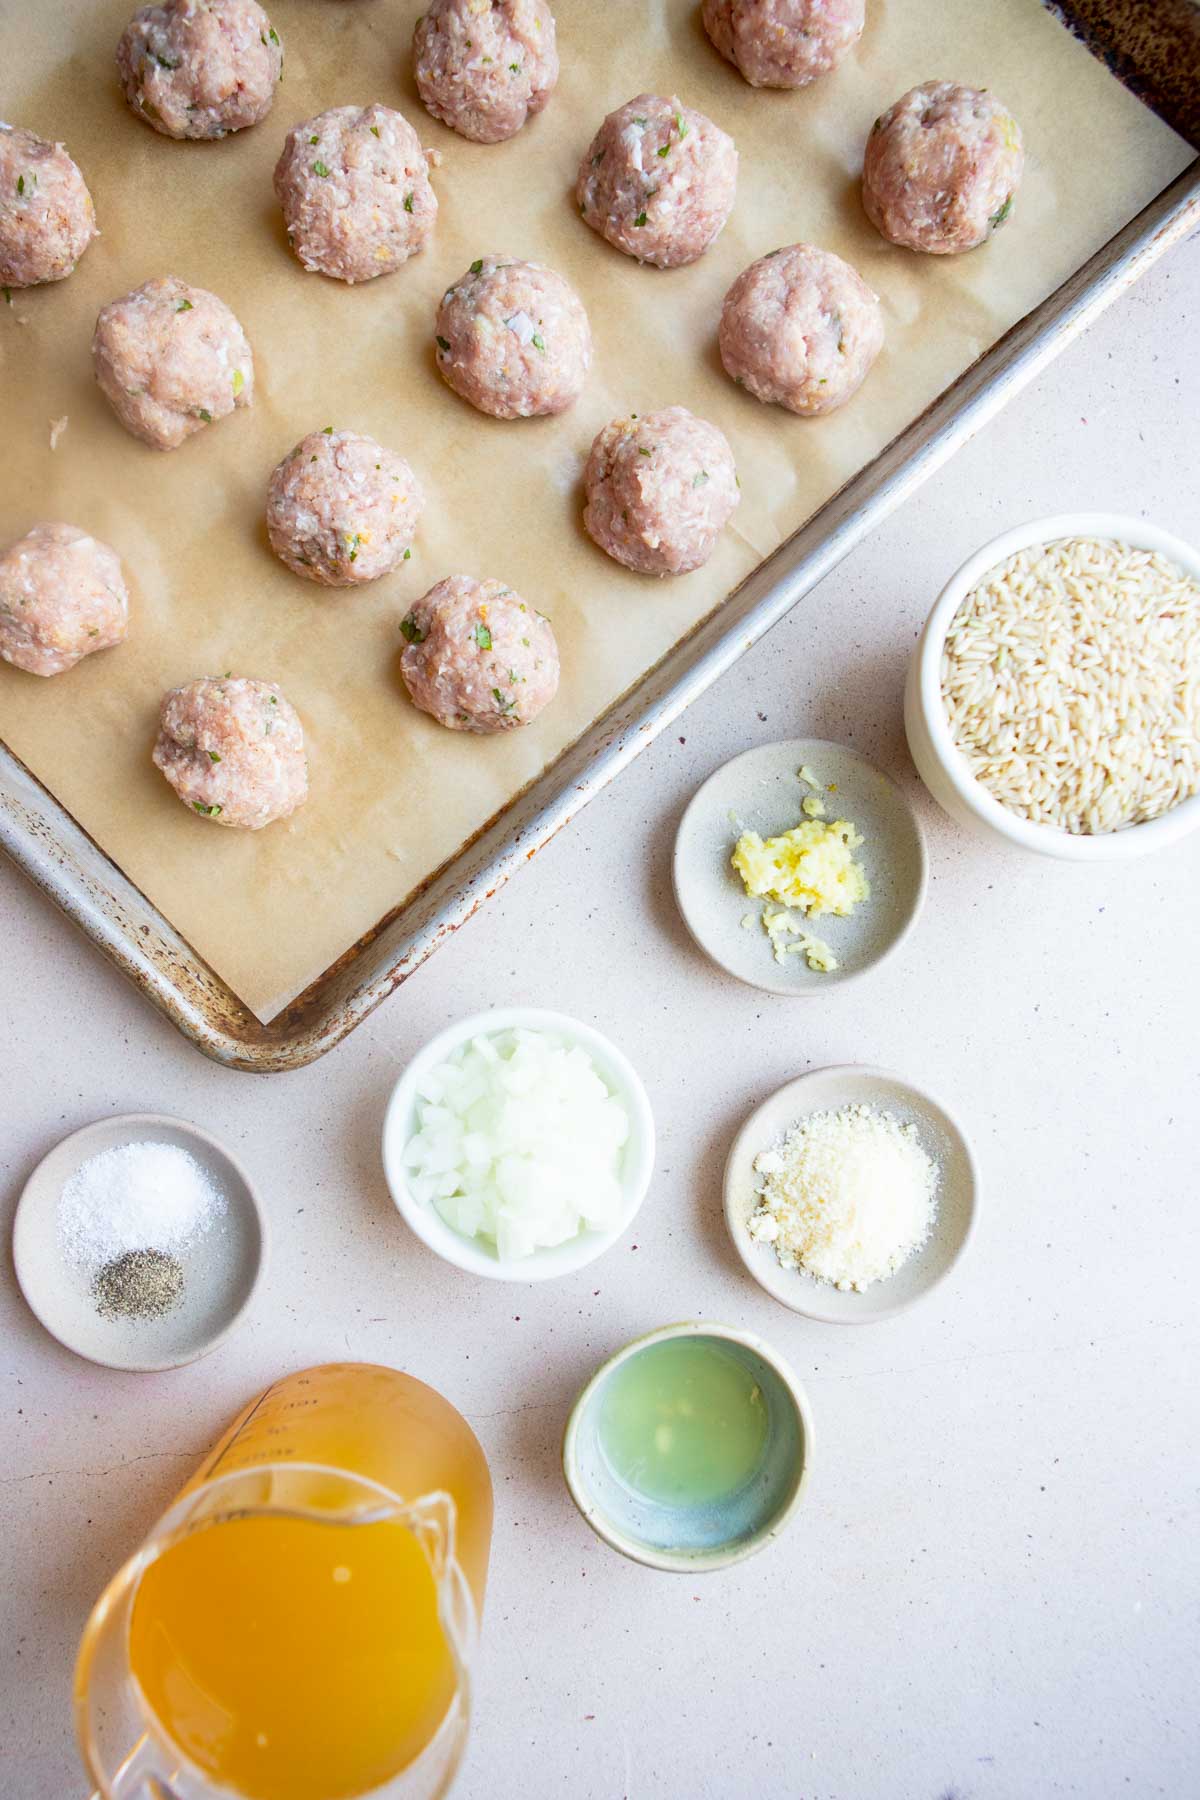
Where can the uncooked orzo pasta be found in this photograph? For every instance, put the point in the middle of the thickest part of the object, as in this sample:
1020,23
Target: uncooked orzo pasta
1071,682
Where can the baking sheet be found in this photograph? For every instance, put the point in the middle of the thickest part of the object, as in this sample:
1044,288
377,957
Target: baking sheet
393,795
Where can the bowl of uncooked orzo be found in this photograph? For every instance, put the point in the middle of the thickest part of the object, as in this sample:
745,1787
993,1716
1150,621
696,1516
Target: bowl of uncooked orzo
1053,700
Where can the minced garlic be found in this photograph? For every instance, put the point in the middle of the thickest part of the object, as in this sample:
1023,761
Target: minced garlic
780,925
803,873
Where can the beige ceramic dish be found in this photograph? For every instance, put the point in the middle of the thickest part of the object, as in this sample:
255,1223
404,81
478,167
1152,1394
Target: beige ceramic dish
957,1196
760,791
221,1270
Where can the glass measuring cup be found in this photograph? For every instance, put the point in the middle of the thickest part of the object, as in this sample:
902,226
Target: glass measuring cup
301,1622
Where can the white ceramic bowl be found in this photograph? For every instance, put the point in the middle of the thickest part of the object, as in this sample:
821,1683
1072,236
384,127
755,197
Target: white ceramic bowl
942,766
476,1255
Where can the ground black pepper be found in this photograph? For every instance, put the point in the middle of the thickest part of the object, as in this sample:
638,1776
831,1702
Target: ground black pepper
140,1284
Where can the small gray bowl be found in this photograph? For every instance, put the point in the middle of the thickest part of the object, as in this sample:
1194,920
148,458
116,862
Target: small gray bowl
694,1539
222,1268
944,1142
760,791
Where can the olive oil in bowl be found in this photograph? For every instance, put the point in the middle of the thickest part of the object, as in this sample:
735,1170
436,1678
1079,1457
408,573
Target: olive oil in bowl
683,1422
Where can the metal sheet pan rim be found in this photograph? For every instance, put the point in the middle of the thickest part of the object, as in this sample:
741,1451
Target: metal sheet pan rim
75,873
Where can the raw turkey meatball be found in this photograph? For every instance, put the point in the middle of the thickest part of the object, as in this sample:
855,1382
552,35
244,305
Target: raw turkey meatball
200,68
478,657
171,359
658,180
513,339
47,219
784,43
802,328
484,67
233,750
354,187
341,509
941,168
62,595
659,491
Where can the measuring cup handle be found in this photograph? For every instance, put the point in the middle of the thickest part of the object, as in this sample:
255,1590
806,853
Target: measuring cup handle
459,1612
140,1776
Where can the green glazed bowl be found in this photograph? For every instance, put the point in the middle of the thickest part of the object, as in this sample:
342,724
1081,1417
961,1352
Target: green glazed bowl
698,1538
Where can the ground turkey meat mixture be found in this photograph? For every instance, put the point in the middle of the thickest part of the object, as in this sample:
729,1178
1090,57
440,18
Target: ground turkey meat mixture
484,67
341,509
233,750
658,180
200,68
659,490
47,219
941,168
354,187
802,328
62,595
513,339
478,657
784,43
171,359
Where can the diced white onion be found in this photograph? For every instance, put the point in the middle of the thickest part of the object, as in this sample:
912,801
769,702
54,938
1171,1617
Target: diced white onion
519,1141
522,328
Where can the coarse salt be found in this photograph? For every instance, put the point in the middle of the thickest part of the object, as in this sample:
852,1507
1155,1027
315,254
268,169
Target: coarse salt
847,1197
141,1196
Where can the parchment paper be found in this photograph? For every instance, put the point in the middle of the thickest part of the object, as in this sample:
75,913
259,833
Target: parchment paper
393,794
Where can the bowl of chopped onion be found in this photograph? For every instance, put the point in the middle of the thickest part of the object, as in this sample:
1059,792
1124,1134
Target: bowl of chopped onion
519,1144
1053,700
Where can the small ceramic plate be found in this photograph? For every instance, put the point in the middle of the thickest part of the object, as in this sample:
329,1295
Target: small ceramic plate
760,791
942,1139
221,1268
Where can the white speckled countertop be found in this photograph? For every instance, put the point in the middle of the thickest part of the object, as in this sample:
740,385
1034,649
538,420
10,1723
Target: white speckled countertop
992,1589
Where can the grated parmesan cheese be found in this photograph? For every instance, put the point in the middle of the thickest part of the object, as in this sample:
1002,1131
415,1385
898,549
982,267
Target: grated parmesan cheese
847,1196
